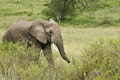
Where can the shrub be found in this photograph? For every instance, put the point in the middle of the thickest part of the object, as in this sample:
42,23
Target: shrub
19,62
106,21
100,61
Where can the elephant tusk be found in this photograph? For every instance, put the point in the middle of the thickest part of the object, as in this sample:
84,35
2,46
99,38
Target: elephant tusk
55,47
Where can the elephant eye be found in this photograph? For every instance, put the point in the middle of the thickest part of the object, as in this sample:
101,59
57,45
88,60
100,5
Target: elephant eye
50,32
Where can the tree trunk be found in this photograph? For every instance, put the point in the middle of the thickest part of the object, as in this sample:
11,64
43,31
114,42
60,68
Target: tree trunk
63,11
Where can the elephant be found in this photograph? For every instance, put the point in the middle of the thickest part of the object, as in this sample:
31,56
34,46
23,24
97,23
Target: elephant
39,33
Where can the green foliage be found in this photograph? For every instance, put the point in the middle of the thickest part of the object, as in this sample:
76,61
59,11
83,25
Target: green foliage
59,8
66,8
80,22
106,21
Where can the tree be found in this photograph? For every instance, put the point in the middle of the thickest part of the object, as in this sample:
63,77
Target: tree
65,8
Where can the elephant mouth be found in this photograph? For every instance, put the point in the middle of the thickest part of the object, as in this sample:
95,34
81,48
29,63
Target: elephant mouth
49,38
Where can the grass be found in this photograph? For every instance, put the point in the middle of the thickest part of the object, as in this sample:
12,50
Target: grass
1,34
20,10
106,14
76,40
31,10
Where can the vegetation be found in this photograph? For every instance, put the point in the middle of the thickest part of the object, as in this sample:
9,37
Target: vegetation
98,60
96,14
66,8
11,11
84,13
93,51
101,61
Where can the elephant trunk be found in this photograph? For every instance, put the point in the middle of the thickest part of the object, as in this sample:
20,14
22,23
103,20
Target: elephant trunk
60,47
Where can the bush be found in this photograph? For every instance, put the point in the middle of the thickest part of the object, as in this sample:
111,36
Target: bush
19,62
100,61
106,21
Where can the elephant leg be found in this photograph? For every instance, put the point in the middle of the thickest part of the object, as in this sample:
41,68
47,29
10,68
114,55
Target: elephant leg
48,54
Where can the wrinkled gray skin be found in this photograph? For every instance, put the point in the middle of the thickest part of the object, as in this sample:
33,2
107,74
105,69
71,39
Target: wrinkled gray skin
41,33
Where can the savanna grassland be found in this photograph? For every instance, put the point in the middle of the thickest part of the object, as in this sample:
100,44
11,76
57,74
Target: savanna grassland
91,41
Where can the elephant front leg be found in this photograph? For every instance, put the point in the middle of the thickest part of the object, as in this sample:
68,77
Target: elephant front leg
48,54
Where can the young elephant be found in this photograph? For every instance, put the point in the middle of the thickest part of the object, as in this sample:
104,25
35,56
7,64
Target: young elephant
41,33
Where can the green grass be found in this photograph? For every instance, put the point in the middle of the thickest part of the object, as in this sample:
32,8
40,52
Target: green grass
11,11
1,34
103,13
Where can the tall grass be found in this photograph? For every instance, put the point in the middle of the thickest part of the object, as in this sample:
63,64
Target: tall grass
100,61
18,61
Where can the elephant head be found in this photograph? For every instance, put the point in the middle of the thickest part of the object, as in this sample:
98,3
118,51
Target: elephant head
48,31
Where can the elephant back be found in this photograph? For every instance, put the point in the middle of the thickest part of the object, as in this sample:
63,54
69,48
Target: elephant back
19,30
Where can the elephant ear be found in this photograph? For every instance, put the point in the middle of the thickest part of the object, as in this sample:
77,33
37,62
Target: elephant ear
37,30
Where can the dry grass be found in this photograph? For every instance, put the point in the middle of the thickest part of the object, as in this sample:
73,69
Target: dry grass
75,39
